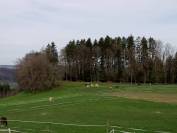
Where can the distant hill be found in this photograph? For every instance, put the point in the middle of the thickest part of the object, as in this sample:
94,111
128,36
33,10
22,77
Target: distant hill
7,73
7,66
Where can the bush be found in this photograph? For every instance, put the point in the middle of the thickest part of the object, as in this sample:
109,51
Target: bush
35,72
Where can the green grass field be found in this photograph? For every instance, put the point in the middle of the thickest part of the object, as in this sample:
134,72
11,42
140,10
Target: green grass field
78,109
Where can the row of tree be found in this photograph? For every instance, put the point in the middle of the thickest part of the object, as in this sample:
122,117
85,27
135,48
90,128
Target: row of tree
4,90
120,59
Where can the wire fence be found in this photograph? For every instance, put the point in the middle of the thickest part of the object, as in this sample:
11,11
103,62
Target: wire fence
8,130
45,126
25,126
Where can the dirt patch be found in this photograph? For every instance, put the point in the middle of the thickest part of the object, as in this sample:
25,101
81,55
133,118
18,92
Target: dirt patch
165,98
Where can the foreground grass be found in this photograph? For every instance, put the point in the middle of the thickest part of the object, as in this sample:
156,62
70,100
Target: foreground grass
94,109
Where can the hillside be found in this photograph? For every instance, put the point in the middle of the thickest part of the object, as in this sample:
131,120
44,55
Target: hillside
7,73
74,108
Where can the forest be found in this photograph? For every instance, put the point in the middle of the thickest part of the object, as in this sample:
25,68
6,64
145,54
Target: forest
119,59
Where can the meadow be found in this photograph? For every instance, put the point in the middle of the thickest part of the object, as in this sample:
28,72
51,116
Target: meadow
76,108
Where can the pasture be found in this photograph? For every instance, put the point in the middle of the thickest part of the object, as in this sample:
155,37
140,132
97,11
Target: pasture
75,108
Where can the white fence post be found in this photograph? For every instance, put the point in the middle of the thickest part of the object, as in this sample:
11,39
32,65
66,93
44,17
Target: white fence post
112,131
9,130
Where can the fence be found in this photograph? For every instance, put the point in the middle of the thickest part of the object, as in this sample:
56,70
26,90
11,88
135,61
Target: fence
120,131
10,131
6,130
31,125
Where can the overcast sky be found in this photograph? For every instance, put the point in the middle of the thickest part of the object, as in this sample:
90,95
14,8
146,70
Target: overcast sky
27,25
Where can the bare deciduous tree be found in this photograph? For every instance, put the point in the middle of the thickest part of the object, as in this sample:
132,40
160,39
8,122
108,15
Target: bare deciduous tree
35,72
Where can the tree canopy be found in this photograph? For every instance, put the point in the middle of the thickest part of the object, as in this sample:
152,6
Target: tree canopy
119,59
38,70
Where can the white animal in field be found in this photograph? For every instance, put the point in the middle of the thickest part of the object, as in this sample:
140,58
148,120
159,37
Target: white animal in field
91,85
88,86
51,99
96,85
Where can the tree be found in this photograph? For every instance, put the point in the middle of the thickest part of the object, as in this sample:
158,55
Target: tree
131,57
102,60
70,51
167,59
117,59
175,67
152,56
36,72
144,57
169,69
52,53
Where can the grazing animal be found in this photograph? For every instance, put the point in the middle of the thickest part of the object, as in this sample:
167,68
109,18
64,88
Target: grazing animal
51,99
87,85
96,85
3,121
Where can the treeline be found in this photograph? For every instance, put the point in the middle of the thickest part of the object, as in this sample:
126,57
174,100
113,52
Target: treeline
6,90
120,59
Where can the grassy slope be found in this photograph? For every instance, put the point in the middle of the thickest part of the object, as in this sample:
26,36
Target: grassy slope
79,105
